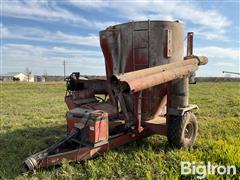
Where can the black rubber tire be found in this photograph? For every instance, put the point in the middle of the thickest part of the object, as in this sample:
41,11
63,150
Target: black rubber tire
182,130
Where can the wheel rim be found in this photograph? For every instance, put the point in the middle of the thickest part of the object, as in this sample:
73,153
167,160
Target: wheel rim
188,132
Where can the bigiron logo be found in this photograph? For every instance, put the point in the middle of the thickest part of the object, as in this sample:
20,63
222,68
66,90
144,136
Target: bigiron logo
202,169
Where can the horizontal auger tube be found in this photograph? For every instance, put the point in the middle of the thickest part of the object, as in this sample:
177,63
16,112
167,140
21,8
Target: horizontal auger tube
149,77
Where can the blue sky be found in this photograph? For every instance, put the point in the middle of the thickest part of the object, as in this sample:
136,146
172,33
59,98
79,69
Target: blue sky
40,35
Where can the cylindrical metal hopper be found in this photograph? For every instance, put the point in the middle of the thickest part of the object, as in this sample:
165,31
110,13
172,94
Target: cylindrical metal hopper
138,45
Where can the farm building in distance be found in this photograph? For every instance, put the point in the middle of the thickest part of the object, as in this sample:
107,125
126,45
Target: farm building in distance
17,76
25,77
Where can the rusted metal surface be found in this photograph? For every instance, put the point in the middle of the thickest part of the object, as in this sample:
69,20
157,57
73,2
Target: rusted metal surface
156,79
130,76
147,82
146,72
77,98
162,108
45,159
190,44
160,75
95,123
138,45
199,60
169,43
157,125
103,106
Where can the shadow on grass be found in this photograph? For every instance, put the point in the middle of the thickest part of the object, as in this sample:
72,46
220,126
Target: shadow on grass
17,145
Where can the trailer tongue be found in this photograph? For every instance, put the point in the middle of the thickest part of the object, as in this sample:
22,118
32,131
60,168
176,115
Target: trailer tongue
146,92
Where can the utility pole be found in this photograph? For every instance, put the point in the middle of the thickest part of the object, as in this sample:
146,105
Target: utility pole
64,69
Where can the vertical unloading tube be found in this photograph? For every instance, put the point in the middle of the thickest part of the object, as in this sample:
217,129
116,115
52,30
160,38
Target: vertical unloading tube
178,93
179,89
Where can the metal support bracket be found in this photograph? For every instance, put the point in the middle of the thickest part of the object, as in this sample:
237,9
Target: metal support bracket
190,44
168,50
181,111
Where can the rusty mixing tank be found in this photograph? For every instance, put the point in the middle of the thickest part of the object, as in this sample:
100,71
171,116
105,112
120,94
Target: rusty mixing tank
146,92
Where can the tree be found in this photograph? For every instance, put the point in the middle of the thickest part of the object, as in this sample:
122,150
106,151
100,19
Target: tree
28,73
45,75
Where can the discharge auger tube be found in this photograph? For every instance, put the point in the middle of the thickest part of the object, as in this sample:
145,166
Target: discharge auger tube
149,77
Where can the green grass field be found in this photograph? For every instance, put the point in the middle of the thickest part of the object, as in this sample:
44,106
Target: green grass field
33,117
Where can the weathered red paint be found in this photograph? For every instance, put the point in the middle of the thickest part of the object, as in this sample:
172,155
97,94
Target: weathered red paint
146,81
89,152
97,130
108,56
